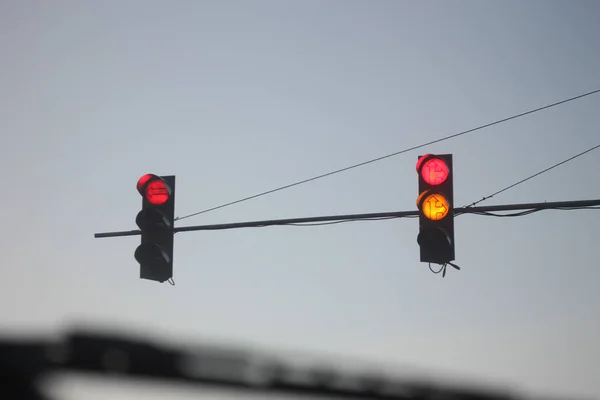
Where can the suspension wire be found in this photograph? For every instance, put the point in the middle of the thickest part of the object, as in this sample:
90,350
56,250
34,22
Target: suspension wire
533,176
392,154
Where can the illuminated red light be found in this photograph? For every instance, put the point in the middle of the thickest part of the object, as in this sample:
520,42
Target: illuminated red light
157,192
433,170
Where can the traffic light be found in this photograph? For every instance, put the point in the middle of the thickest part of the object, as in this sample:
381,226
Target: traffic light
436,209
156,221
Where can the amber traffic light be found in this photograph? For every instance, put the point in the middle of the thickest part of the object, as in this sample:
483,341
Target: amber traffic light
156,222
436,213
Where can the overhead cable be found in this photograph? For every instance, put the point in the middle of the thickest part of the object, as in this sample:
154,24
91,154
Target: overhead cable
391,154
534,175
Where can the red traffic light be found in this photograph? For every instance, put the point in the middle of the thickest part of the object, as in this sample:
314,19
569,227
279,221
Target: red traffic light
434,170
157,192
154,189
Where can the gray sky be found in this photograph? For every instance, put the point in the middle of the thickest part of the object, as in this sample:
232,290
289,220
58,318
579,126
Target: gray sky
237,97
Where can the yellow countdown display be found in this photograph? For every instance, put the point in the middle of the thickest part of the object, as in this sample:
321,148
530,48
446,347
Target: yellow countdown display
435,206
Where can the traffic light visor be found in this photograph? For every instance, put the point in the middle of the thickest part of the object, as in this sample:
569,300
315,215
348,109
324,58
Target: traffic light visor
141,183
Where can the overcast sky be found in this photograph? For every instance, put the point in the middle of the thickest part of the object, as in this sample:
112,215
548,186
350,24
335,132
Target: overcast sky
238,97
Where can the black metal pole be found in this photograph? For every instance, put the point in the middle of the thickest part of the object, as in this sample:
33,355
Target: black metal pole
381,215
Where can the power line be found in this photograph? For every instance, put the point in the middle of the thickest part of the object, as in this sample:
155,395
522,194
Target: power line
333,219
306,221
350,220
534,175
534,210
482,213
359,218
390,155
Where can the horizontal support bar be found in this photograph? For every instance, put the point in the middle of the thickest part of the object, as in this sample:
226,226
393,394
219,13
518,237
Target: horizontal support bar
374,216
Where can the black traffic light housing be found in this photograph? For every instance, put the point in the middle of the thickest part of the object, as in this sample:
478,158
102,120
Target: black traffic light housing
156,221
436,208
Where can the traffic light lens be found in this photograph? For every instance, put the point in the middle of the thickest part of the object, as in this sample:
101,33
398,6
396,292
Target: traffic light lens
434,237
435,206
435,171
152,219
438,243
157,193
150,254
